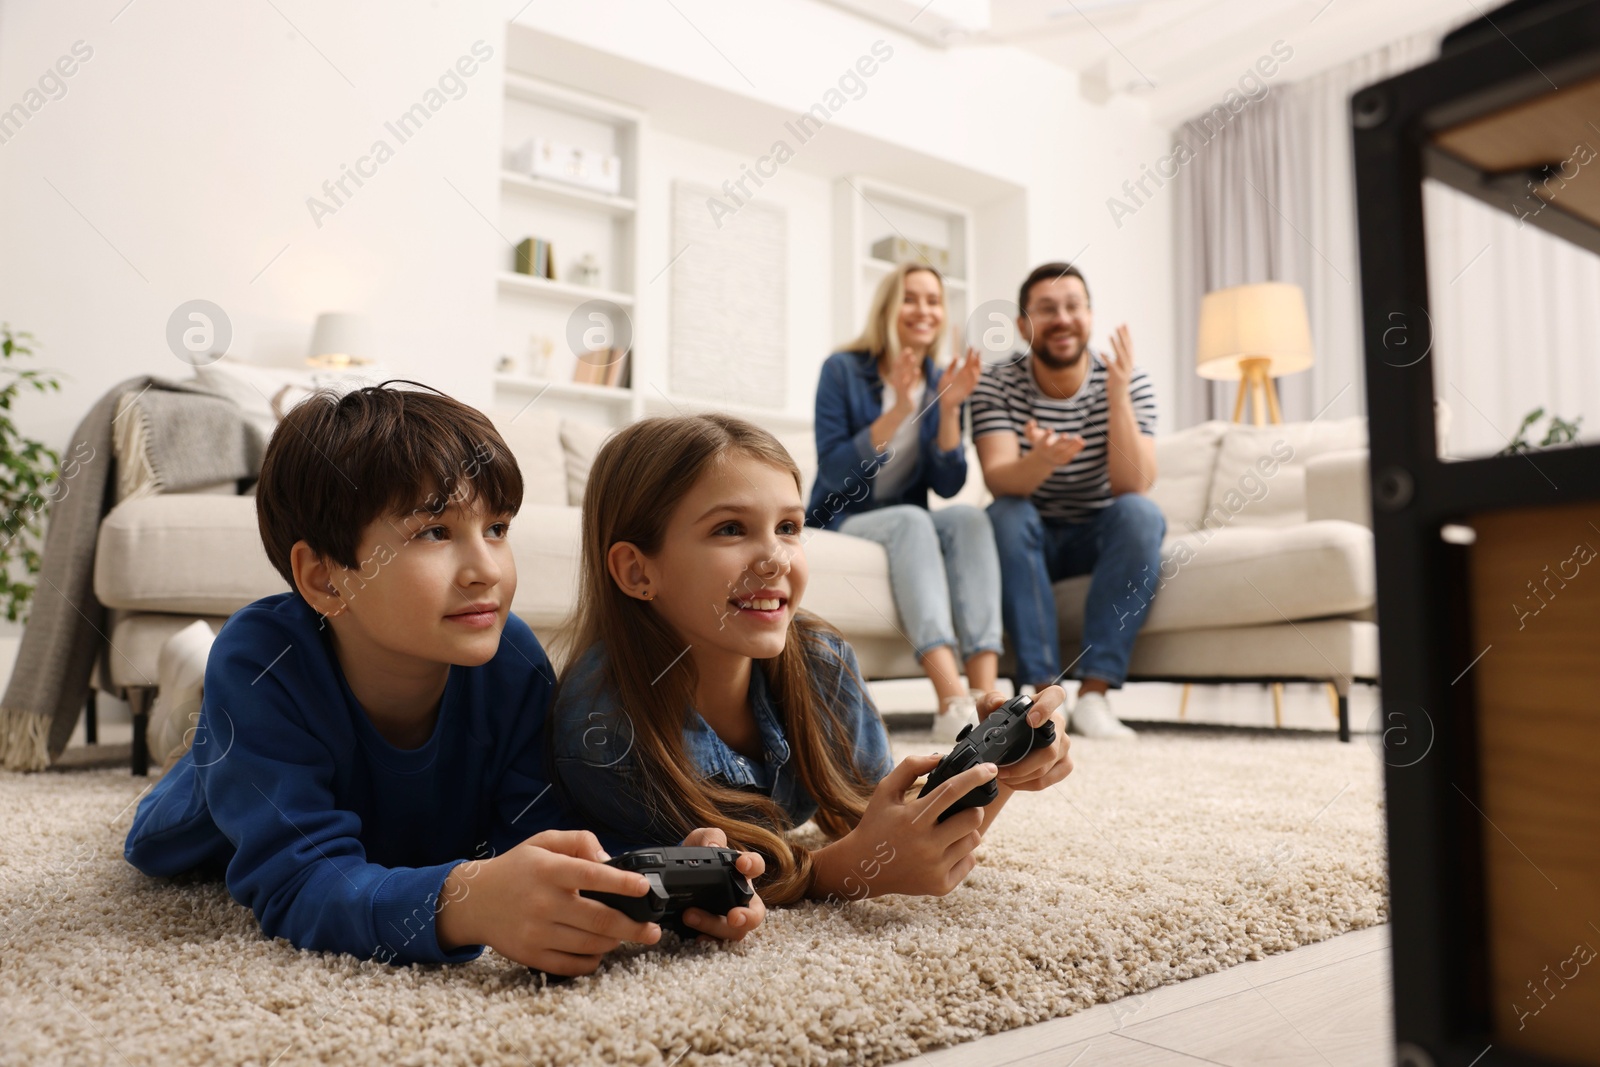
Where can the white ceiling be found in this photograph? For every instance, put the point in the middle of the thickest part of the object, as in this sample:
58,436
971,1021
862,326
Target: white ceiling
1180,56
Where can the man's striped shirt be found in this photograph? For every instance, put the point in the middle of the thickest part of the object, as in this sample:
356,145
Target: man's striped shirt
1007,396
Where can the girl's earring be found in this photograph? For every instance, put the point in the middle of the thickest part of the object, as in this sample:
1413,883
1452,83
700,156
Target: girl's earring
648,595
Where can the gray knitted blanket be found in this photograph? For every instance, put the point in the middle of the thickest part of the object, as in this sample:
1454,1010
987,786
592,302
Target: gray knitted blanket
195,438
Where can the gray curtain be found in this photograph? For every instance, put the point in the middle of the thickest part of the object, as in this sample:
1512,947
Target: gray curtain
1269,195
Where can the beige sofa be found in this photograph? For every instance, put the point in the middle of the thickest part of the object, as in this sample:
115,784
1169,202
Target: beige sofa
1267,582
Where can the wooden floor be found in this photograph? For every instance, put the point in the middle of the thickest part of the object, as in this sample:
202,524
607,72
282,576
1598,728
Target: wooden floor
1325,1005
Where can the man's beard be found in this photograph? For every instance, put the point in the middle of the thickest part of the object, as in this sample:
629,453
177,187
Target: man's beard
1057,362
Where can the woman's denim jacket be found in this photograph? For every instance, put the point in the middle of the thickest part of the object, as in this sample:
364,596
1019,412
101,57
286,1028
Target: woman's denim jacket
849,401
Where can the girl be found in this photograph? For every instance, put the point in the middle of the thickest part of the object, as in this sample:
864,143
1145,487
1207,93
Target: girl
888,430
702,697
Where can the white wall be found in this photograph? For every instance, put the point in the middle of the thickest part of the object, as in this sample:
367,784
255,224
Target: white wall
191,140
185,148
805,199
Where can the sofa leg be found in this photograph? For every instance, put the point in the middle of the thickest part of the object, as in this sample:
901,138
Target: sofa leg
1342,691
1277,704
1183,701
139,698
91,725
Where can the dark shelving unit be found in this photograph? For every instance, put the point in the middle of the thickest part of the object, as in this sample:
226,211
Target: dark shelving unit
1494,833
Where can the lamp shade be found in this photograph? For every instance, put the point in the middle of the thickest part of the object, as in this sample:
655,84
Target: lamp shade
341,338
1262,321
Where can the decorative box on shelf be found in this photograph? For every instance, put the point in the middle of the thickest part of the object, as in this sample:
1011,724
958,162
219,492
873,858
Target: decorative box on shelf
899,250
542,157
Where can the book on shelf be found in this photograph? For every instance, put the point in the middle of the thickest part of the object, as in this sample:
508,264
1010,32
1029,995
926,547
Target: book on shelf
601,366
617,370
535,257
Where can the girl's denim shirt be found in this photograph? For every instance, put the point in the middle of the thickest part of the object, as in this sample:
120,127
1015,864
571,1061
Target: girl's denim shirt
596,767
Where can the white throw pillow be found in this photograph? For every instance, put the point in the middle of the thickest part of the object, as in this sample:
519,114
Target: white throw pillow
1185,462
1260,478
535,440
181,675
580,441
255,388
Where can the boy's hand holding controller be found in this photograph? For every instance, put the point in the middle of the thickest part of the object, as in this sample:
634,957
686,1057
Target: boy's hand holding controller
524,904
901,846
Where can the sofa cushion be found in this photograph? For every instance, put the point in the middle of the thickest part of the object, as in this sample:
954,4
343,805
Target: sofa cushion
1337,487
1261,470
136,639
546,543
1185,464
580,441
848,584
1244,576
188,553
1315,648
535,440
802,447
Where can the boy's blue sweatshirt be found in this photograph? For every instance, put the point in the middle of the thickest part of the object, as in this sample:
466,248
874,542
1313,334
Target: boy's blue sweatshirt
333,837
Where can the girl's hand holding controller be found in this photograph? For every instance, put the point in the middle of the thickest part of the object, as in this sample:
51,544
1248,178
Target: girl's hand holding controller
900,846
740,921
524,904
1043,767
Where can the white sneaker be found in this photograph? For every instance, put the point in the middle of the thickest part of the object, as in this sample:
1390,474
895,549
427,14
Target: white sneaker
957,713
1091,717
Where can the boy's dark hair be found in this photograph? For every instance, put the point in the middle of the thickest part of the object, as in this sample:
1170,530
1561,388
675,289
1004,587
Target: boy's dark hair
1046,272
335,463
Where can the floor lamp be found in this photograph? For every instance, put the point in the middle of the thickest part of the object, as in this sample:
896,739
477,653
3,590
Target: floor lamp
1254,334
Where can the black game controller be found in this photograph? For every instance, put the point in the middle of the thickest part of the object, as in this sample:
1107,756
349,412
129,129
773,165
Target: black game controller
1004,737
680,877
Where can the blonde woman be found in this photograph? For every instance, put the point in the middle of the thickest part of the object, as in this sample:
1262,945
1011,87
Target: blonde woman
888,426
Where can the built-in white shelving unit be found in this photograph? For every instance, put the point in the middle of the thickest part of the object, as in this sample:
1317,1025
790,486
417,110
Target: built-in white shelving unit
867,210
541,323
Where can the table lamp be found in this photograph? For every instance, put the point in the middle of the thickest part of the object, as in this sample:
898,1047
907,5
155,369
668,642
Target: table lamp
341,339
1252,334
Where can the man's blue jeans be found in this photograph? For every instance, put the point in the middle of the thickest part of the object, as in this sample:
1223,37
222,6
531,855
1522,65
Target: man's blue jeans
1120,547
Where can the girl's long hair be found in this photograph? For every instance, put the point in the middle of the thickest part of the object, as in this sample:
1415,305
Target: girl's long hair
637,479
881,332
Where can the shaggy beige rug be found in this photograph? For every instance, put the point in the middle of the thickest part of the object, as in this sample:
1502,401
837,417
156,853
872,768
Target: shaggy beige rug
1158,861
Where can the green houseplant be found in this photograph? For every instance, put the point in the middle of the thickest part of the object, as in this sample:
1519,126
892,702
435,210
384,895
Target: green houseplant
1559,432
29,473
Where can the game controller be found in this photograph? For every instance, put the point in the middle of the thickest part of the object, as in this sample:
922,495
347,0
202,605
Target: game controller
1004,737
680,877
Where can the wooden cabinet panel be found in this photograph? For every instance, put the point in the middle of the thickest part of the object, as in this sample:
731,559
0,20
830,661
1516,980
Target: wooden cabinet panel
1535,577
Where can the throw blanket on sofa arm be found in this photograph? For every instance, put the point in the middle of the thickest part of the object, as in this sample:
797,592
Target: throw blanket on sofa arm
193,438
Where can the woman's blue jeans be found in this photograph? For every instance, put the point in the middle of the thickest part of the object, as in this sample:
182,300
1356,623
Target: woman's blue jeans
944,572
1120,547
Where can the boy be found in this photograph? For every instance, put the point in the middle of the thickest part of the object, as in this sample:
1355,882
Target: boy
365,734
